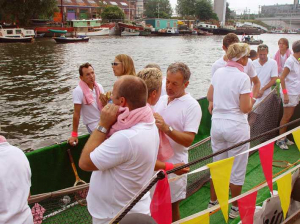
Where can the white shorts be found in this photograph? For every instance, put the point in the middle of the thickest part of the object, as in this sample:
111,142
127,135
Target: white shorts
226,133
293,100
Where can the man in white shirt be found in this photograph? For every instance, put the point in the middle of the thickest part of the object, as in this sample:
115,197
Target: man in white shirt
267,71
229,39
178,115
15,182
90,111
123,163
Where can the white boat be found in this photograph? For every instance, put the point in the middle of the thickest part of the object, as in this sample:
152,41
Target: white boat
130,32
99,31
16,32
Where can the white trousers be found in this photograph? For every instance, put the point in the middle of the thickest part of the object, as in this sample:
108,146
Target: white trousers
226,133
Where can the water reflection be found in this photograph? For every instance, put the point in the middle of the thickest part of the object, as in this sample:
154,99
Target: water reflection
37,79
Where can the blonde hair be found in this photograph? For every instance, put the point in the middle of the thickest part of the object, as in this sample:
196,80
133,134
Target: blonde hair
237,50
127,62
152,77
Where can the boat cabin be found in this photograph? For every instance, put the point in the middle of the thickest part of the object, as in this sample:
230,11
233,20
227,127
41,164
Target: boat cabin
159,24
16,32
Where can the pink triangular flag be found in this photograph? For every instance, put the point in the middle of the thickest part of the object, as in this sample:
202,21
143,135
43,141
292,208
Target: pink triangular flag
266,159
161,208
247,207
37,212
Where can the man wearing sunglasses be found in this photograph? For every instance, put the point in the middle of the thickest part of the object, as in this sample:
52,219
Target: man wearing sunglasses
267,71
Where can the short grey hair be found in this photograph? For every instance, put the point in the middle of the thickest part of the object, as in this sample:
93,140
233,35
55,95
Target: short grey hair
182,68
153,65
296,46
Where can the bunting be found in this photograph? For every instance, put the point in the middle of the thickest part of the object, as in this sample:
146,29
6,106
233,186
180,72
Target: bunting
247,208
203,219
284,191
266,158
296,135
160,207
220,173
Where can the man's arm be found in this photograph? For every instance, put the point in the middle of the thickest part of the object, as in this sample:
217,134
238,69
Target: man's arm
256,86
76,118
284,74
271,83
210,94
107,118
182,138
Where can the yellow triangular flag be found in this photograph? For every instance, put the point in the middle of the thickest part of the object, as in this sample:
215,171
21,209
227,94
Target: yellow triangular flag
203,219
220,174
284,191
296,135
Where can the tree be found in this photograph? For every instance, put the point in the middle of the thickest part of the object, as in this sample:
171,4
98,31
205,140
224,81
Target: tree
22,11
112,13
228,12
204,10
158,9
186,7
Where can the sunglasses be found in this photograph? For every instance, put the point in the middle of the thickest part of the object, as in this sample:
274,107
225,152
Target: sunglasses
263,47
115,63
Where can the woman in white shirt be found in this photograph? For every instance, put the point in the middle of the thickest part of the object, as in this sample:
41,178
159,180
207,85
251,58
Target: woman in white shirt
290,92
282,54
230,93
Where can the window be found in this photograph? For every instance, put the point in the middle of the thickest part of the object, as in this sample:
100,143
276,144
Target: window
113,3
91,1
79,1
123,3
174,24
9,32
168,24
158,23
18,31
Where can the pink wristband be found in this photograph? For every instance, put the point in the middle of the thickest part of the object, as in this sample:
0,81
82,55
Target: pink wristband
284,91
251,95
74,134
169,166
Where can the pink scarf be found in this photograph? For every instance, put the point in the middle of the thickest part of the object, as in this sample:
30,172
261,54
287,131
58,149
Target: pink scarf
2,139
236,65
128,119
278,59
88,96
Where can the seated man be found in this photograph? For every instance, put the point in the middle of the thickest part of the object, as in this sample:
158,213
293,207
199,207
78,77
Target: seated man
15,182
122,160
86,101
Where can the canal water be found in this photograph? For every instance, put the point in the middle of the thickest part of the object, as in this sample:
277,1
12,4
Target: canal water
37,79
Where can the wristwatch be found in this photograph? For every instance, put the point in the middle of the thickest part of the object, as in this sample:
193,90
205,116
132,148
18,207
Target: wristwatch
102,129
170,129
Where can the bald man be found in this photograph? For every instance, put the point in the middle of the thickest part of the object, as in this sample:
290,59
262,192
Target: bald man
121,155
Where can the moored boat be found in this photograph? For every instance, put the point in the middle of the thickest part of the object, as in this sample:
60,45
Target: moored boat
16,39
253,42
13,35
63,40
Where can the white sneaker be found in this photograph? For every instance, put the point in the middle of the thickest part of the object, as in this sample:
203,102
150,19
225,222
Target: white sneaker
234,212
288,142
212,203
281,143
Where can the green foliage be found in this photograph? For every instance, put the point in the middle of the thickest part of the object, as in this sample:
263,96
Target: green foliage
112,13
186,7
228,12
22,11
158,9
204,10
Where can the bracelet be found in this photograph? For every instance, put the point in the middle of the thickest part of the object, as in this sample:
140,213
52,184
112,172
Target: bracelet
251,95
254,98
169,166
284,91
74,134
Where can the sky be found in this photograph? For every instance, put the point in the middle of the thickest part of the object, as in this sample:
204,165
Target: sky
240,5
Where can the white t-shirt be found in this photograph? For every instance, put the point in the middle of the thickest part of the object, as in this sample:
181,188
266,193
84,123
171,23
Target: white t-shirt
229,83
90,114
220,63
265,72
292,80
183,114
163,87
126,162
15,182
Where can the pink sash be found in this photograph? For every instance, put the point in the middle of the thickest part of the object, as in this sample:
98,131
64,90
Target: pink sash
88,96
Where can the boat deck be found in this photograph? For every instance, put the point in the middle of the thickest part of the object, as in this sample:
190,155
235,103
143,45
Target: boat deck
254,176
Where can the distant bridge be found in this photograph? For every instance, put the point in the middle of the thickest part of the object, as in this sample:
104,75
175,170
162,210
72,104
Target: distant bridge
292,22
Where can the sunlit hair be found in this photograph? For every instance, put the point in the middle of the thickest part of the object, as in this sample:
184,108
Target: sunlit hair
229,39
153,65
182,68
152,78
285,42
85,65
238,50
296,46
127,63
262,47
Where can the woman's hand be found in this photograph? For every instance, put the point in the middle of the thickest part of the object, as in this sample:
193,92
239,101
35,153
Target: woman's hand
103,99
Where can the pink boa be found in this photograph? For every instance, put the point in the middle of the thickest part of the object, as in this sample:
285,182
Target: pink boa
278,59
88,96
2,139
